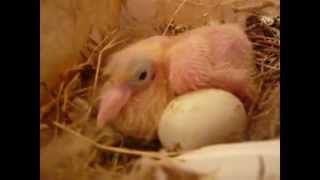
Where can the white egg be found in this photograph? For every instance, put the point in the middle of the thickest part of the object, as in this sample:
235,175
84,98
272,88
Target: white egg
202,118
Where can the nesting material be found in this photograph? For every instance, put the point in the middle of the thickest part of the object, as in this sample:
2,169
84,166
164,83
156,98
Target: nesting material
69,109
219,162
262,160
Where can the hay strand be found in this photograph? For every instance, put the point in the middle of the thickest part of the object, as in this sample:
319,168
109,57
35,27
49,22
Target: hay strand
155,155
173,16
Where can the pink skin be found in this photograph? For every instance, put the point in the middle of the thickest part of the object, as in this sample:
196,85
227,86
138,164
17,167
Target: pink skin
112,102
220,58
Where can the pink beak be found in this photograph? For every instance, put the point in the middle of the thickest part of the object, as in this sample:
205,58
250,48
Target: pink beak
112,101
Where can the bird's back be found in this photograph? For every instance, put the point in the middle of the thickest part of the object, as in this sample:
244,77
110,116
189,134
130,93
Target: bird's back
212,57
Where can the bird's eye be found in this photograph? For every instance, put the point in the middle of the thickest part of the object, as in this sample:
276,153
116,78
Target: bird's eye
143,75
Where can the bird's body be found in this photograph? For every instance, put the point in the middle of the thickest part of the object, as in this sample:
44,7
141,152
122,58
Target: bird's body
147,75
218,56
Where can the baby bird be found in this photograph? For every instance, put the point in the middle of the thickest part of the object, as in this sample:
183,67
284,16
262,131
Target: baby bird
147,75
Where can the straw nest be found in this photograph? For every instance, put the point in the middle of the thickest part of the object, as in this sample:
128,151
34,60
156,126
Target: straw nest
73,148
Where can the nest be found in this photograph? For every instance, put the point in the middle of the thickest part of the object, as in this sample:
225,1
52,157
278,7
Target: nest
71,146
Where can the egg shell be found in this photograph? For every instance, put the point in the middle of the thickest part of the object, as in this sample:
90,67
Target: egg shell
202,118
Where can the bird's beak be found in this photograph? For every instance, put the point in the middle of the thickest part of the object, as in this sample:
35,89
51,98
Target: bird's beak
112,101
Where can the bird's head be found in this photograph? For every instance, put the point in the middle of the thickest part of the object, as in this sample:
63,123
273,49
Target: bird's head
129,71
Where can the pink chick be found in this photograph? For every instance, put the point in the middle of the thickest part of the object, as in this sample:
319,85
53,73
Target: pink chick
147,75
